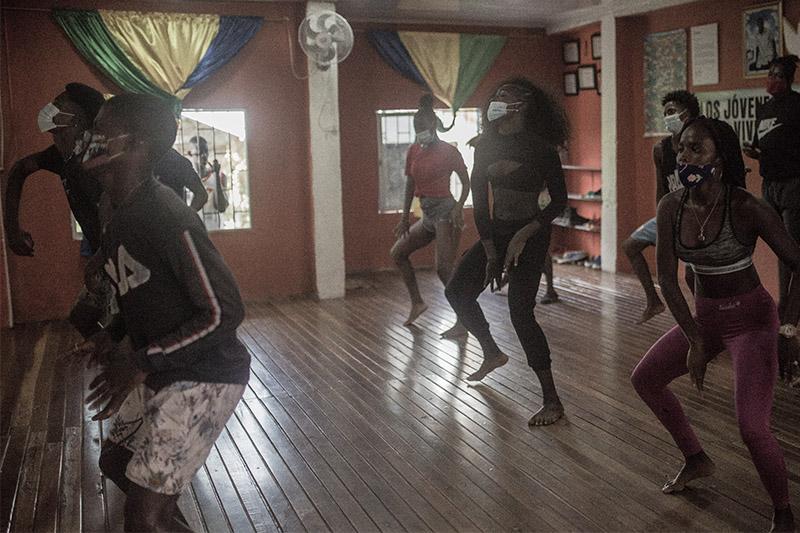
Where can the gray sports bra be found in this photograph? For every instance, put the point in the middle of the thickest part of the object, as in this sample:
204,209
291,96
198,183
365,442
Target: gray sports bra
723,255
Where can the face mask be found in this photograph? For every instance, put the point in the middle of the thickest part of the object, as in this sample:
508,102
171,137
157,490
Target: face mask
694,175
673,123
499,109
424,137
46,116
97,145
776,86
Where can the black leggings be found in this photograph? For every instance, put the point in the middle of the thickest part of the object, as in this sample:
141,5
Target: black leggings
523,283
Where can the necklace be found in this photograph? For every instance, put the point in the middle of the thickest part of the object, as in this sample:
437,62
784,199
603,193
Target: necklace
701,236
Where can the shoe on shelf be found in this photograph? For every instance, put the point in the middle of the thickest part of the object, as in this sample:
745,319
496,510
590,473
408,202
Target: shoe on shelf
572,256
575,219
594,194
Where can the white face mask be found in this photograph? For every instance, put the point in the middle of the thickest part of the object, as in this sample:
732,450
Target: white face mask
673,123
424,137
499,109
46,116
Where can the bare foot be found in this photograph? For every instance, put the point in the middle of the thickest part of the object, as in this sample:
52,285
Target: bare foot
548,414
416,310
549,298
782,520
651,311
697,466
458,331
488,365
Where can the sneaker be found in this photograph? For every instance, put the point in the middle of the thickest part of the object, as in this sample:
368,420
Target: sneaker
596,264
572,256
595,194
575,219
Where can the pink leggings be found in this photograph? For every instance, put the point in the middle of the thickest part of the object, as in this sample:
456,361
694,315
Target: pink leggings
747,326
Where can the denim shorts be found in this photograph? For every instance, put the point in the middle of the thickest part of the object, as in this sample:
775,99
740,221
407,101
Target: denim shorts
646,232
435,210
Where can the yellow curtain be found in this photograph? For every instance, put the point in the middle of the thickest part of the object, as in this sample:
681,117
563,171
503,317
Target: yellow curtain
166,47
437,56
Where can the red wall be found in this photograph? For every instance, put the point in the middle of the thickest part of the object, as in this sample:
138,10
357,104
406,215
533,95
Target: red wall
635,173
583,112
274,258
366,85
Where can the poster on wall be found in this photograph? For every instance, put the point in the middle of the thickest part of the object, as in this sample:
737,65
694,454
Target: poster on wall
664,71
705,55
762,40
737,108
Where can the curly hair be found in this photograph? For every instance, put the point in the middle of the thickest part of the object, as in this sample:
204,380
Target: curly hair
727,145
544,116
686,99
789,64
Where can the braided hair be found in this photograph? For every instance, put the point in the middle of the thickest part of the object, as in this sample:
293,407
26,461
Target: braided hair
728,149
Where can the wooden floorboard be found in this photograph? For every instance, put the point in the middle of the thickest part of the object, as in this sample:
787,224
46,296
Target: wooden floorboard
352,422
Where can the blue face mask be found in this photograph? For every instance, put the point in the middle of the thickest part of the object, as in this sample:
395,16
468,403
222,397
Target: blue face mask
694,175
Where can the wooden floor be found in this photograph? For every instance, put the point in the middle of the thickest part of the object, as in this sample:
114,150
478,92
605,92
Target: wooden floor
353,422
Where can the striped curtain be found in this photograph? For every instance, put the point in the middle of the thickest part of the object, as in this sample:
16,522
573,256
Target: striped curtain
450,65
164,54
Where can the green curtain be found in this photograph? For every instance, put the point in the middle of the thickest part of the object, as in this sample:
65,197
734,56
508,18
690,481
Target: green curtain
477,53
89,35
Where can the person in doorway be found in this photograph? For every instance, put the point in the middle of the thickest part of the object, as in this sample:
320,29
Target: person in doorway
214,181
516,155
776,145
712,225
429,165
679,108
172,367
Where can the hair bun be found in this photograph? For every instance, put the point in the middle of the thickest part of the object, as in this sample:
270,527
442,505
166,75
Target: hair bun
426,101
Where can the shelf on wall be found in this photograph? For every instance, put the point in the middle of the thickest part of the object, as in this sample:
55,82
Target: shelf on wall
584,198
580,167
593,229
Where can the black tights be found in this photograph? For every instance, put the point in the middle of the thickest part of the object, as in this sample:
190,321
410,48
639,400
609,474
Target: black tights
523,283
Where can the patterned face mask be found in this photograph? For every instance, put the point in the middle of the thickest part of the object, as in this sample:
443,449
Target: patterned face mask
694,175
46,116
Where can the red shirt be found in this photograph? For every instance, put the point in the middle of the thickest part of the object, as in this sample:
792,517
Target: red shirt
432,167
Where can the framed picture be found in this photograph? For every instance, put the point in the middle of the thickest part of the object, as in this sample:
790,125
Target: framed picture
570,83
587,77
599,81
596,46
571,52
762,38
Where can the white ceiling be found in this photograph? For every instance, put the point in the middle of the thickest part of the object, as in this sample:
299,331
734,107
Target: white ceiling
551,15
510,13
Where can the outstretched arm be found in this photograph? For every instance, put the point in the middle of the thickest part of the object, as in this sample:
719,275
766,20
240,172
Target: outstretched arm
20,242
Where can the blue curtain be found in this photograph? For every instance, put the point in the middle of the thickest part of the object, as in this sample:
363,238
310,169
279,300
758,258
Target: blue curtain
394,52
233,34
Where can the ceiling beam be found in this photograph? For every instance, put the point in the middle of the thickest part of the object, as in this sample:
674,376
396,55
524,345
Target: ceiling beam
618,8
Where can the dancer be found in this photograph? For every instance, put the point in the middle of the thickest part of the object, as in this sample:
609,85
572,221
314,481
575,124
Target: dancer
429,164
517,155
776,145
679,108
176,378
713,225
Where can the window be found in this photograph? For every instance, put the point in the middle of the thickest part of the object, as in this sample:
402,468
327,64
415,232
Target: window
396,135
207,137
223,137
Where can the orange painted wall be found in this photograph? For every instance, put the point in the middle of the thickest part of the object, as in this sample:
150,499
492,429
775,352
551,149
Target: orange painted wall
366,85
635,174
274,258
583,112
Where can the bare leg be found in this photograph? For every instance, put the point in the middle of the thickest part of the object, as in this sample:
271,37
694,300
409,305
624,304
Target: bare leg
416,238
146,510
447,239
633,249
551,296
113,462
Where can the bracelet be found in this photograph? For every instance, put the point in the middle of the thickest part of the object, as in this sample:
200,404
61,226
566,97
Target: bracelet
788,331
